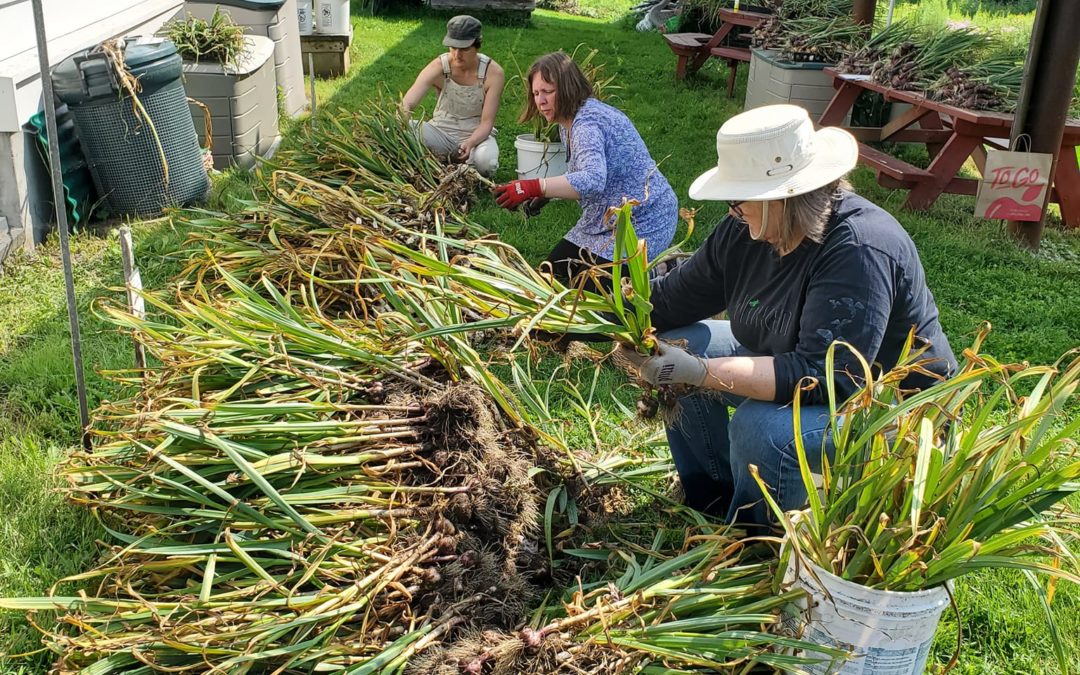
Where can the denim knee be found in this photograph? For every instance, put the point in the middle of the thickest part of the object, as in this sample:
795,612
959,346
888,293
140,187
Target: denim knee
437,140
707,338
701,421
763,433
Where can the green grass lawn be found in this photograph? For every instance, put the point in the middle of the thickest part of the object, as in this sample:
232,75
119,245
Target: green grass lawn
976,272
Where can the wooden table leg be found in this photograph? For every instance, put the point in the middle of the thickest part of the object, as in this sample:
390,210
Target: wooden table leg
979,155
944,167
1067,181
932,121
842,102
680,67
703,54
915,114
733,68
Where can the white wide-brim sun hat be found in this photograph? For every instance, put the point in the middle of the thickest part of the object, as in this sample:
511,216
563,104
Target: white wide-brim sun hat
773,152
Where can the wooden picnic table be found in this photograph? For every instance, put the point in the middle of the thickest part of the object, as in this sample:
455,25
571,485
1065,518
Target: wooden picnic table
951,135
692,50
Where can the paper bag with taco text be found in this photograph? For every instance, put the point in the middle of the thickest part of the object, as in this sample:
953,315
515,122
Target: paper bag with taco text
1014,185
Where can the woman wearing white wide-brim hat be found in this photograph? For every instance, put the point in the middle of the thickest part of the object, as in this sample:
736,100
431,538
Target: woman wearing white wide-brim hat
799,262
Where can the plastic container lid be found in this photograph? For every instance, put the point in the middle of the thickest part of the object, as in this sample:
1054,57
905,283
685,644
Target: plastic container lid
151,59
772,56
146,51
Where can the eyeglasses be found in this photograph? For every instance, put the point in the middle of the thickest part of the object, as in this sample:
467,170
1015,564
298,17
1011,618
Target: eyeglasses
736,209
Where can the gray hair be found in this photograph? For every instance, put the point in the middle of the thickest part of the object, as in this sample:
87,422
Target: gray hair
807,214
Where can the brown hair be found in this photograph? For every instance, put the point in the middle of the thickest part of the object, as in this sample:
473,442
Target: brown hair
806,215
572,88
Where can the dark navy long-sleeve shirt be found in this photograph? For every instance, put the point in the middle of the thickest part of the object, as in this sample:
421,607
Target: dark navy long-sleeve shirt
863,284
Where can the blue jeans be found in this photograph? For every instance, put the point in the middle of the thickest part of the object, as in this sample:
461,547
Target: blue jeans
713,449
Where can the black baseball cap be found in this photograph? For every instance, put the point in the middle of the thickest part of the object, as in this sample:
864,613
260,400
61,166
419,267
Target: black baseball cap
462,31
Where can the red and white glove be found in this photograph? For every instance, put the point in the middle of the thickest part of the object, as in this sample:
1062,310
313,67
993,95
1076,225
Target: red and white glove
511,195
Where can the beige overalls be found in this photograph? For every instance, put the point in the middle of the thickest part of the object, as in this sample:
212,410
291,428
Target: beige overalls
457,114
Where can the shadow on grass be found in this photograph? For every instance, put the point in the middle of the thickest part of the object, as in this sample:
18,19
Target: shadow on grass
44,538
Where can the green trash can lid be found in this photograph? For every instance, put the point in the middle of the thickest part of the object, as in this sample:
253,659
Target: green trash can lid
249,4
143,51
152,59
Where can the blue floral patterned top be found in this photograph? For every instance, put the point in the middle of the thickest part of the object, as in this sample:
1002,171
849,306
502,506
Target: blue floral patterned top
609,161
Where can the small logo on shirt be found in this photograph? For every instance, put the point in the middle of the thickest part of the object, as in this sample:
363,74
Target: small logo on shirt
754,303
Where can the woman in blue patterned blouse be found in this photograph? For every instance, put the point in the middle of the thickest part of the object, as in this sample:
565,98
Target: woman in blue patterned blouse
608,162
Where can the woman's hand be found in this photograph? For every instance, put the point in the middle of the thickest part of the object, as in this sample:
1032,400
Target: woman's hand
669,365
513,194
465,149
533,207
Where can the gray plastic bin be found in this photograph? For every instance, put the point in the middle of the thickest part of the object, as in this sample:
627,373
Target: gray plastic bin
774,80
274,19
242,103
120,149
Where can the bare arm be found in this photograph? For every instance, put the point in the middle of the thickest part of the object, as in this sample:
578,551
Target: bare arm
559,188
430,76
749,376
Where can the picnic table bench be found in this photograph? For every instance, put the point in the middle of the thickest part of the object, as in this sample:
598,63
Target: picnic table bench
692,50
951,136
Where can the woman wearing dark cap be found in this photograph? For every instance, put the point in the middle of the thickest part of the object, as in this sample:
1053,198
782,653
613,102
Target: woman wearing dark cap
608,163
470,85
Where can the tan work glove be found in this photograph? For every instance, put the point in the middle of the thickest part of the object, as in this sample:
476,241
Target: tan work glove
669,365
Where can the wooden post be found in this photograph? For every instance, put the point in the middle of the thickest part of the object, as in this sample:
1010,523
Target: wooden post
1044,96
863,13
133,284
311,74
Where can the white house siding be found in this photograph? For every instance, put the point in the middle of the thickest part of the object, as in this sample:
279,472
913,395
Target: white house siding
70,26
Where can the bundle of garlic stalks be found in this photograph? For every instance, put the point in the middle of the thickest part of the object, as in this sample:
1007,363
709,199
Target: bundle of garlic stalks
960,67
289,494
990,84
376,149
658,609
861,61
286,493
322,473
817,31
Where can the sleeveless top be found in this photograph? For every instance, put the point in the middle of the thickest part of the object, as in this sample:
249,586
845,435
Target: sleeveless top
458,110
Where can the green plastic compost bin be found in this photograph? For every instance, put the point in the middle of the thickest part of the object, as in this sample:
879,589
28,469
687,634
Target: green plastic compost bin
79,194
124,157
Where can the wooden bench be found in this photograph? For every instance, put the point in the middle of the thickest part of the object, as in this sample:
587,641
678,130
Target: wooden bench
692,50
685,46
733,56
897,169
513,9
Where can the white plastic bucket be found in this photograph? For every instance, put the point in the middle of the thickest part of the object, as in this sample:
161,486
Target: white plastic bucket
888,633
332,17
539,159
305,17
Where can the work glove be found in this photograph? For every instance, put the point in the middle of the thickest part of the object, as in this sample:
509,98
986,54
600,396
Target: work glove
669,365
516,192
533,206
